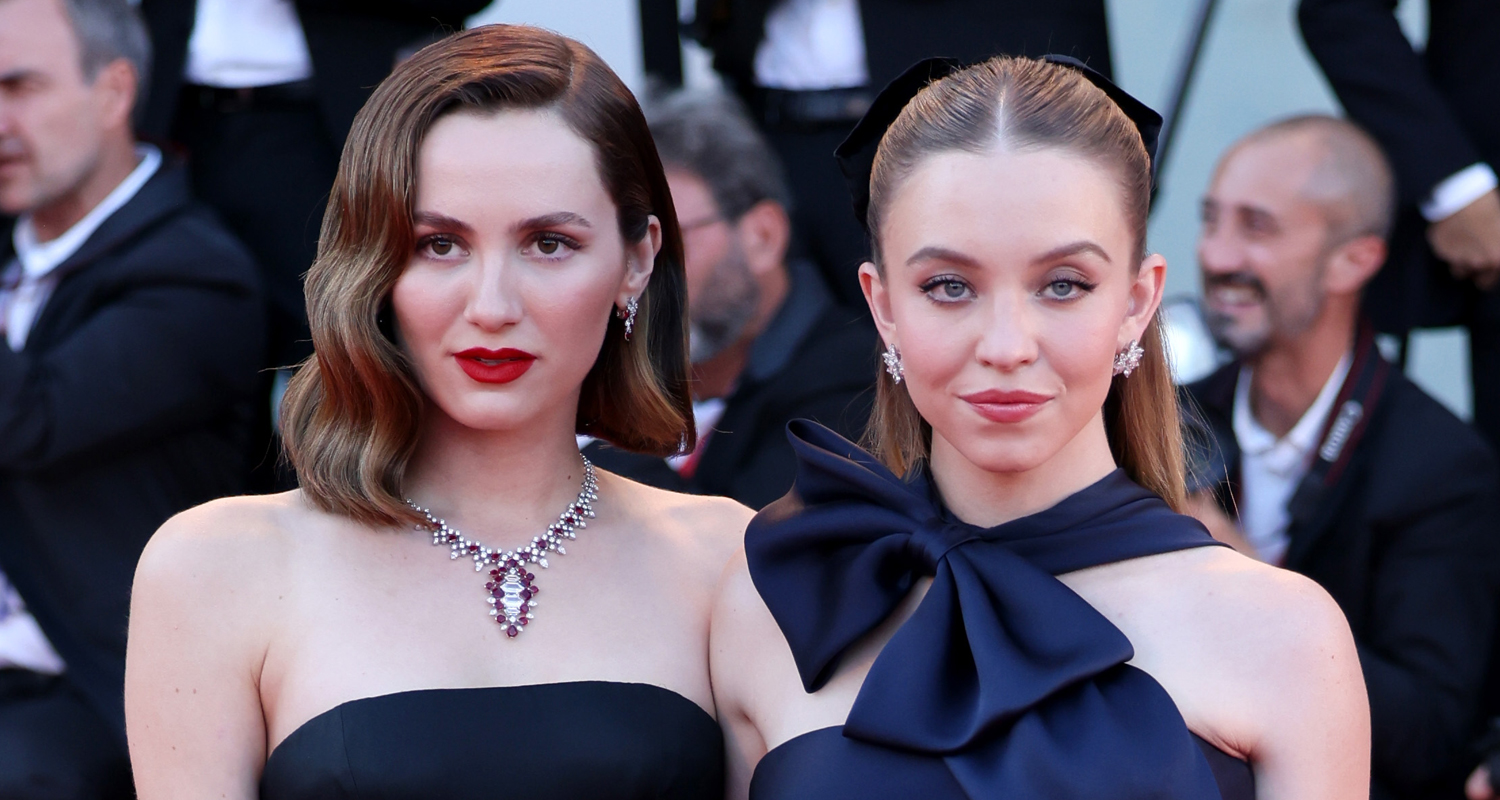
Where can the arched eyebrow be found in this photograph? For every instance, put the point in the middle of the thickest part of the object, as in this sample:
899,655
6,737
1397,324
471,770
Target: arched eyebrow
441,221
553,220
935,253
1083,246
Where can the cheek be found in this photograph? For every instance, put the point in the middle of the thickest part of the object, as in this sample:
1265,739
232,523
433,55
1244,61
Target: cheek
424,305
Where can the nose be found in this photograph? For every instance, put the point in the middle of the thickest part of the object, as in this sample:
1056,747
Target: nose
494,298
1008,339
1219,252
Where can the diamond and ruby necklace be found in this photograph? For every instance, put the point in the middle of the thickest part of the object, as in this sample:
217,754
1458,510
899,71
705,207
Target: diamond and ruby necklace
512,588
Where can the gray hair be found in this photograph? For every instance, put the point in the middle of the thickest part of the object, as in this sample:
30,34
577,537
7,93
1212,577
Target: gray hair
108,30
708,133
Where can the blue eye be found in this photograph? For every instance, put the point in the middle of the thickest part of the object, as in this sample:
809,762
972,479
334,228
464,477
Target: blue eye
947,289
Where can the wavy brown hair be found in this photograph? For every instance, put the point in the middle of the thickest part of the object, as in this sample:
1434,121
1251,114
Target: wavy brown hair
350,417
1030,104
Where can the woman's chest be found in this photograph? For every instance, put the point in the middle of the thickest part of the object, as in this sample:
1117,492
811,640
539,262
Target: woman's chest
370,629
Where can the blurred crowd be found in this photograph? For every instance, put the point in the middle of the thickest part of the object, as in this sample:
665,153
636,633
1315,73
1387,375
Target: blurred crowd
163,166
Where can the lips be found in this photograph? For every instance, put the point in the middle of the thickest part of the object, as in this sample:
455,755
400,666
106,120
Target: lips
1009,407
494,366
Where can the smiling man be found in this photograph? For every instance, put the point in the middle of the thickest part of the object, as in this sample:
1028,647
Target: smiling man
1325,459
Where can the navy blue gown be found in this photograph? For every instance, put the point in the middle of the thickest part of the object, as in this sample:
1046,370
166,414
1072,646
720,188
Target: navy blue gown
1003,683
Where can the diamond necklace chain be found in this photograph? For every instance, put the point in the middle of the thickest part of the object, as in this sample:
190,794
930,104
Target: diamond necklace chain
511,587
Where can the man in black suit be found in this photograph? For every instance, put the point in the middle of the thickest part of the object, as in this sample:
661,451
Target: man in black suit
769,344
131,329
1436,115
1326,460
809,68
261,93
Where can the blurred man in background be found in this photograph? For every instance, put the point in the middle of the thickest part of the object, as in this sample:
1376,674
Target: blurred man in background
1329,462
1436,115
131,328
261,93
769,344
809,68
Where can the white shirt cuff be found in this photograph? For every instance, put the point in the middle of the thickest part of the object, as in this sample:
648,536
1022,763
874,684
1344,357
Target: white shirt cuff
1458,190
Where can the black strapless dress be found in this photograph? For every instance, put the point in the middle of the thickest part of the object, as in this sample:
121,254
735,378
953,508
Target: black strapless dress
593,739
1003,683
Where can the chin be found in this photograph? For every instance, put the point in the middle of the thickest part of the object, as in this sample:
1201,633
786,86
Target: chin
1004,454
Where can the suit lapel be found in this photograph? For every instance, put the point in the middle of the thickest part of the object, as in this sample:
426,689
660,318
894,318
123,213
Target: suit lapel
164,194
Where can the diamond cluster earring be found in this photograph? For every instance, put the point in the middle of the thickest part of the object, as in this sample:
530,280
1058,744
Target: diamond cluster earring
628,314
1128,359
892,359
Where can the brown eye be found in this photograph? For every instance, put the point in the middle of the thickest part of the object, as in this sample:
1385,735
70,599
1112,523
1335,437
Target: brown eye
440,247
548,246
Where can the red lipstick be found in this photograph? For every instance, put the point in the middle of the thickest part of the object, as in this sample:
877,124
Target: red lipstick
494,366
1006,406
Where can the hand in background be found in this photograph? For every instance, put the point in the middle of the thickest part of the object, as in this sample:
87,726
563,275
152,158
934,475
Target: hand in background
1469,240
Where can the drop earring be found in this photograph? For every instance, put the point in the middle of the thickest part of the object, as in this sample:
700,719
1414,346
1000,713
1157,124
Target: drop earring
1128,359
628,314
892,358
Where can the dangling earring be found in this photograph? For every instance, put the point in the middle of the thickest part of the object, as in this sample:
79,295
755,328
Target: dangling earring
1128,359
628,314
892,358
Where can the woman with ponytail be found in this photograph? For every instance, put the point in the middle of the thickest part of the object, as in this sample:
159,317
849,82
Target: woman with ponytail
997,596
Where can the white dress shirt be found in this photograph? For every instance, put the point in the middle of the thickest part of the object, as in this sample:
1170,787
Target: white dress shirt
812,44
22,643
1271,468
237,44
1458,190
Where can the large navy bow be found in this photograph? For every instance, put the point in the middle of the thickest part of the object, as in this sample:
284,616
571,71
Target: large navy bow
1017,682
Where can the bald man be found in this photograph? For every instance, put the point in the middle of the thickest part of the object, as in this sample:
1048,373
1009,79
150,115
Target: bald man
1324,459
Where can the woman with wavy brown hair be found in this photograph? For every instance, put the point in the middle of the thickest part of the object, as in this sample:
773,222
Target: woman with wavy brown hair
500,269
999,598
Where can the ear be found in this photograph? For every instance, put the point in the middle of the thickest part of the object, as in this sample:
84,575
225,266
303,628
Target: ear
764,231
1145,296
879,301
640,260
116,87
1353,264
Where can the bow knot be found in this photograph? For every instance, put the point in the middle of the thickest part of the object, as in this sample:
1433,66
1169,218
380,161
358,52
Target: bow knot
931,542
999,654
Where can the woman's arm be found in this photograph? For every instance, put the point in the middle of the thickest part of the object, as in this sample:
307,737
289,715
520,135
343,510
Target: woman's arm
1313,738
737,665
197,641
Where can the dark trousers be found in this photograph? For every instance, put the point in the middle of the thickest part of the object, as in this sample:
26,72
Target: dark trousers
53,746
267,170
822,214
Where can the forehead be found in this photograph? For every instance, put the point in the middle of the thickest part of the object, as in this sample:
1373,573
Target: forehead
507,159
1008,204
1270,174
36,36
689,190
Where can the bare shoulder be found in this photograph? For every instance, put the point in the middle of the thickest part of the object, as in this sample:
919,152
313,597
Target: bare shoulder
1286,617
222,548
704,527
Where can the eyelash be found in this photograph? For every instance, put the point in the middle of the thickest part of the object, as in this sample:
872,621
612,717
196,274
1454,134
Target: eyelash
427,242
548,236
1081,285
